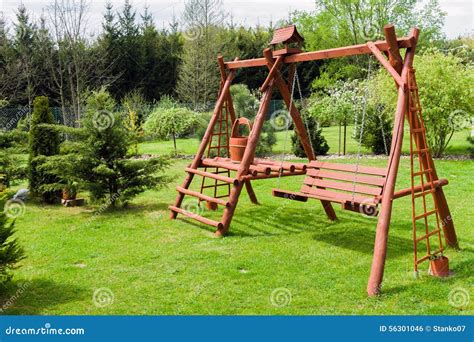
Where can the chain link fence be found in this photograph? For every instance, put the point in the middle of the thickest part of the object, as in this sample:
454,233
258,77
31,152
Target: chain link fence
11,116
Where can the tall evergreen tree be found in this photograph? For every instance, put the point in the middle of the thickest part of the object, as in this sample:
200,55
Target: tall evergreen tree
129,60
10,251
43,141
23,44
199,75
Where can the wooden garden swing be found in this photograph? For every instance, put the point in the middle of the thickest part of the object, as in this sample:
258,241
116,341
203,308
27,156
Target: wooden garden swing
356,188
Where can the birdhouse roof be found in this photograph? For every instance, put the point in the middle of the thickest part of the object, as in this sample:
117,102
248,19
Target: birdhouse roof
287,34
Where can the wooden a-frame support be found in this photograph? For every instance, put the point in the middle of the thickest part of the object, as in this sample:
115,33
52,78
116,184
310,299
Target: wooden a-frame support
398,67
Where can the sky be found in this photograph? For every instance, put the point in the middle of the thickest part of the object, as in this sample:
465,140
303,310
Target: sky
459,20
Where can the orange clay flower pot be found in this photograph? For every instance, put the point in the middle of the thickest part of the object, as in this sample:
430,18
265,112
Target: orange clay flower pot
237,143
439,267
211,205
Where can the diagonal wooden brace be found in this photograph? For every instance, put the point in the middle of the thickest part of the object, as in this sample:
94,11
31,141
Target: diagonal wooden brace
299,125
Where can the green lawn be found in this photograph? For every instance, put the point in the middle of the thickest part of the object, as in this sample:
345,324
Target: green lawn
154,265
189,146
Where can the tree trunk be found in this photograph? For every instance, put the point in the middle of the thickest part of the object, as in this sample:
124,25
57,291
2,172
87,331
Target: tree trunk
339,143
174,143
345,137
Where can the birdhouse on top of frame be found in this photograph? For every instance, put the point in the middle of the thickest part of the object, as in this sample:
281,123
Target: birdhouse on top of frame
286,40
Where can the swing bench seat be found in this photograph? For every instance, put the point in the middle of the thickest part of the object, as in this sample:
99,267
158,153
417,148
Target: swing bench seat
356,188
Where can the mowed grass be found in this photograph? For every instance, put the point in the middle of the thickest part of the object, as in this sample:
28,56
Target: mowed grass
154,265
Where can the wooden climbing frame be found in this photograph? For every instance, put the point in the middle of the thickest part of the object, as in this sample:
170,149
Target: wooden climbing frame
355,188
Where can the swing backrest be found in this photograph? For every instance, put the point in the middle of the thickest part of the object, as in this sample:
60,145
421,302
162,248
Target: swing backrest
344,182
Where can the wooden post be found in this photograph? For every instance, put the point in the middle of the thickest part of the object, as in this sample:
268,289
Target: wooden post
383,224
230,107
247,160
299,125
205,140
393,51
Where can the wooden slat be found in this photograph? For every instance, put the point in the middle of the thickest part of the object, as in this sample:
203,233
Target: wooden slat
426,236
370,170
349,177
202,196
360,49
271,74
199,218
333,196
273,175
295,196
378,54
405,192
431,212
213,176
360,189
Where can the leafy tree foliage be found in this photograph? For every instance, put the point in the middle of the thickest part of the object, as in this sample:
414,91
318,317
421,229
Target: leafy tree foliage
171,120
444,83
198,75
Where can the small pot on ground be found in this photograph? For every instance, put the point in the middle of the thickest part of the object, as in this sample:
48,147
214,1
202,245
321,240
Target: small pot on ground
439,266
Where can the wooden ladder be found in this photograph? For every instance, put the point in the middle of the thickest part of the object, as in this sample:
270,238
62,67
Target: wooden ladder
218,147
216,182
425,175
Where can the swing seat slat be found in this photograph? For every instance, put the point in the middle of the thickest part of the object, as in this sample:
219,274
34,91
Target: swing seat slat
352,186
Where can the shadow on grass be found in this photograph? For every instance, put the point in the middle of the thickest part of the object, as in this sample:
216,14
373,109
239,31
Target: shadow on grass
35,296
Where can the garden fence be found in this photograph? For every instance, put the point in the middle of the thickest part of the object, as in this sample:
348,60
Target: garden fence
10,116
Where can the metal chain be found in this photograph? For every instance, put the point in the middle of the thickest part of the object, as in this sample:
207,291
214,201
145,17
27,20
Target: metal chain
287,127
305,111
361,132
379,114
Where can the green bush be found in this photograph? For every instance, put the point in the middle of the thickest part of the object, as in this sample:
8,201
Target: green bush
44,140
377,126
318,141
446,93
10,251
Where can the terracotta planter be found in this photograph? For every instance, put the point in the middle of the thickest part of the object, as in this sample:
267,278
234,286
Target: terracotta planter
237,148
237,143
439,267
211,205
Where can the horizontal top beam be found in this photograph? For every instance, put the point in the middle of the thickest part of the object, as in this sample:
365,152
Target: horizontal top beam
353,50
